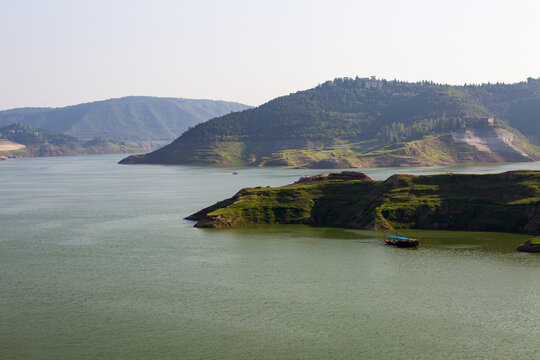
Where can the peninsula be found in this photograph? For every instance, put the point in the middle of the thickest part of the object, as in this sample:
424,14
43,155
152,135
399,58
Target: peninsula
507,202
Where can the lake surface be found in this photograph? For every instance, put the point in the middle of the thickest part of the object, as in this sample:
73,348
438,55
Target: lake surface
97,263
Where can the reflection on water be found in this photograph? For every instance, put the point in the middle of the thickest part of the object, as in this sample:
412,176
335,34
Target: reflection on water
96,262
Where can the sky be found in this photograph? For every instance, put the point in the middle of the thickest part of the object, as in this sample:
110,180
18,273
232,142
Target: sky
58,53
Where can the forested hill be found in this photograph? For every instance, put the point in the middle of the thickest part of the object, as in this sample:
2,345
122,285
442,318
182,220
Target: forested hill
344,111
32,142
134,118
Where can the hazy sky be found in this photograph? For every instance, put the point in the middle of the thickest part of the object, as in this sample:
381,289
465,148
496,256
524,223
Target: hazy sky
57,53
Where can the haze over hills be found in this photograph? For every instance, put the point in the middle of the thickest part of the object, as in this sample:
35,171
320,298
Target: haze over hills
26,141
134,118
365,122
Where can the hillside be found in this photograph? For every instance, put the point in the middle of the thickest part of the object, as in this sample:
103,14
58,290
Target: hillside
134,118
507,202
343,123
26,141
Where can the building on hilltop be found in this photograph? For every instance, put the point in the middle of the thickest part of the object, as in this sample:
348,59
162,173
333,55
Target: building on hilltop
478,120
371,83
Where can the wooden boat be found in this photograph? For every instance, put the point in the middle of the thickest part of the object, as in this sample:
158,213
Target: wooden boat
530,246
401,241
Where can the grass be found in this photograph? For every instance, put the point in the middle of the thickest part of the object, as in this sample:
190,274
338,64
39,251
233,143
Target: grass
500,202
269,206
428,151
303,153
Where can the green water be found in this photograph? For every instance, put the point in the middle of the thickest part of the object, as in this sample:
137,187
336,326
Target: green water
97,263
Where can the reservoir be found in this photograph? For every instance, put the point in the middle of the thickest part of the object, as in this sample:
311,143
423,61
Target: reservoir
96,262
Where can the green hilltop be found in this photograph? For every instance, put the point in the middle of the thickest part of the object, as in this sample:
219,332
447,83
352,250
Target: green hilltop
133,118
351,123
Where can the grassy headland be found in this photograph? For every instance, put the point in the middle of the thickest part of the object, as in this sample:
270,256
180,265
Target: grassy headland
508,202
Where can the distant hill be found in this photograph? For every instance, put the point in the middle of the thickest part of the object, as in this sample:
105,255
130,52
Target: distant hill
134,118
362,123
26,141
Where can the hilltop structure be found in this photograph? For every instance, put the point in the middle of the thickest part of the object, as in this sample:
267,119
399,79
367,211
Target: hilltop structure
371,83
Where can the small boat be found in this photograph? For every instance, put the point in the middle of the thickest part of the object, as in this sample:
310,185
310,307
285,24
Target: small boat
401,241
531,246
234,173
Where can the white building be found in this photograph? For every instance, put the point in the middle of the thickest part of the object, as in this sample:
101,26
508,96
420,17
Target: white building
371,83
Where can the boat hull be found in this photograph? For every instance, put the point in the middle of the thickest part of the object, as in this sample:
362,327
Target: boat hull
402,243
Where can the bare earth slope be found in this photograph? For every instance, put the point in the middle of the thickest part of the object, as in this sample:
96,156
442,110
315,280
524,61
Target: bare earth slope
7,145
493,140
